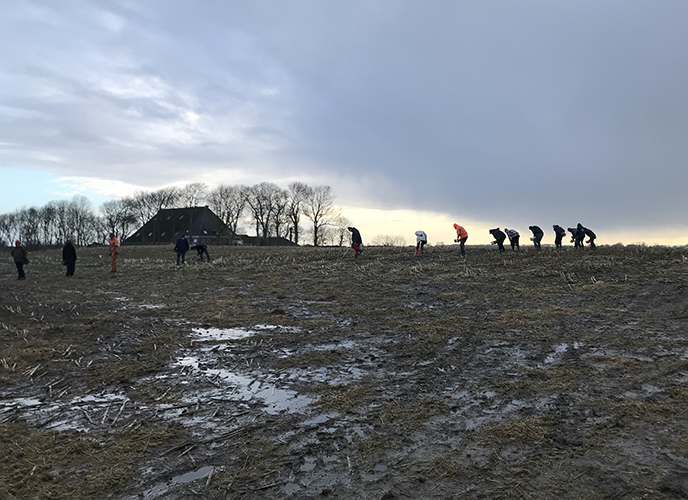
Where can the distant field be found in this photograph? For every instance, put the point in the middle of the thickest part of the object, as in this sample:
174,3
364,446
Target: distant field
301,372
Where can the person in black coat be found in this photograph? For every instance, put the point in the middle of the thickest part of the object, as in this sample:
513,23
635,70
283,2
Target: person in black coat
181,247
580,235
499,237
559,233
69,257
200,250
590,234
356,241
537,235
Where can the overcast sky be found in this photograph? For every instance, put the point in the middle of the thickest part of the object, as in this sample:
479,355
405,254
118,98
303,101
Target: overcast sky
492,112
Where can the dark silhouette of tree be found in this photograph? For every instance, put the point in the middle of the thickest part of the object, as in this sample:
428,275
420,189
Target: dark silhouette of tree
229,204
320,210
296,197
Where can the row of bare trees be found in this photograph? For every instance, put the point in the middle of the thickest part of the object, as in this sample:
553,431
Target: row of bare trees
270,209
53,223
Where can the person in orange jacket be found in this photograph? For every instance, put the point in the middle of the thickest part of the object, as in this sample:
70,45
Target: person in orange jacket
461,237
114,250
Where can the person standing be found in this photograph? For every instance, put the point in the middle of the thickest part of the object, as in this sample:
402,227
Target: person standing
69,257
537,235
559,233
181,247
499,237
114,251
461,237
513,238
21,257
421,240
356,241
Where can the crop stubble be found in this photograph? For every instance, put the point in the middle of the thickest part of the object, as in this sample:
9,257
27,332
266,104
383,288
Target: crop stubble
526,375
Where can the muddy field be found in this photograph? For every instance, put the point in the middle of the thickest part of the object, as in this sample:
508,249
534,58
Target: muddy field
303,373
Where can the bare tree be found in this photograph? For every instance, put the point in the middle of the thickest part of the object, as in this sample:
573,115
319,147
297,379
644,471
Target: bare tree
320,210
81,220
229,204
145,204
297,194
62,229
280,220
165,198
192,195
261,202
47,224
340,233
118,217
141,206
7,228
30,225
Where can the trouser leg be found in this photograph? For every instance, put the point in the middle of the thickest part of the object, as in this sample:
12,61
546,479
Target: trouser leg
20,270
70,269
114,263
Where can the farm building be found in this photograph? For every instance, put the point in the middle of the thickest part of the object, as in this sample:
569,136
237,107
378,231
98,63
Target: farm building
198,224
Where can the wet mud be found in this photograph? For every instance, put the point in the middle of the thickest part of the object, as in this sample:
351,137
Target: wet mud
303,373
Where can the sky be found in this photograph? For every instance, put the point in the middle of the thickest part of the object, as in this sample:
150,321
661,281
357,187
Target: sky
418,114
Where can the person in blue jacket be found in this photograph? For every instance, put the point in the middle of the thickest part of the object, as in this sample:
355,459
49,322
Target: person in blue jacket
181,247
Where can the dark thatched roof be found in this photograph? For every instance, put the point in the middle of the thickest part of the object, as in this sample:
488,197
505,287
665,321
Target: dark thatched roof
197,223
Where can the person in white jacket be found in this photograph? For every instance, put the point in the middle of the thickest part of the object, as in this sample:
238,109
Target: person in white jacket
421,240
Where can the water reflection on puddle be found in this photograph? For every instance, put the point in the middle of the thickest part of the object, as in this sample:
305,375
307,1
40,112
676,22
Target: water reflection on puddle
239,387
220,334
163,489
242,388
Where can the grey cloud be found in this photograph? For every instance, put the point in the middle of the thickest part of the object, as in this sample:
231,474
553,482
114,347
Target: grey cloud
529,110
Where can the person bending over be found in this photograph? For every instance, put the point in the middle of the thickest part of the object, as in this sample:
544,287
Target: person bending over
356,241
537,235
499,237
200,250
513,238
559,233
421,240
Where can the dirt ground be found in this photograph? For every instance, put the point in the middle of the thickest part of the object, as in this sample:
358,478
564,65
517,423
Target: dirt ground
303,373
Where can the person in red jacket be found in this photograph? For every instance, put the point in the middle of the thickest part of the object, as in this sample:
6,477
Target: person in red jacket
114,251
356,241
461,237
